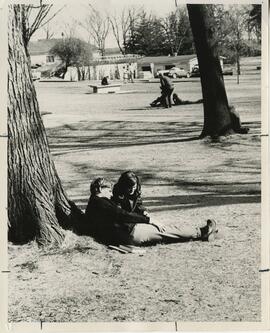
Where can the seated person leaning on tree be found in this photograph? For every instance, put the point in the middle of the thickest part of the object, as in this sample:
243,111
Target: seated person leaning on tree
127,193
112,224
105,220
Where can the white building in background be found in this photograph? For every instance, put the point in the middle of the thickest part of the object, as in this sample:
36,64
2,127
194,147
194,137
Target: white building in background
149,66
40,52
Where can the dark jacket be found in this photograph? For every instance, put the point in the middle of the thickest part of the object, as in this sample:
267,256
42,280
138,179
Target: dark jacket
166,83
131,203
106,219
104,81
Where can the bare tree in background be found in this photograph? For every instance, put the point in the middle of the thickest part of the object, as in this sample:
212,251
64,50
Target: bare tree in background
97,25
122,26
231,27
177,29
233,32
237,21
36,17
48,30
69,30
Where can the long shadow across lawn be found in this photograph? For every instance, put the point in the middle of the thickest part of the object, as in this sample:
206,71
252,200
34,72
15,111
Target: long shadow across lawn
197,201
184,202
204,193
105,134
111,134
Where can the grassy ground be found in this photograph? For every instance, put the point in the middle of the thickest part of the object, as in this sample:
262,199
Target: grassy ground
185,180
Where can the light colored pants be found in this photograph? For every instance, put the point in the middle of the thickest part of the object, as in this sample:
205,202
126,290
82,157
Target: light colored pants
147,234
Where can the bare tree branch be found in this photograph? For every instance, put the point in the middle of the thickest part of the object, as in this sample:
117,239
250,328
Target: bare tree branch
176,27
34,18
53,16
121,26
97,26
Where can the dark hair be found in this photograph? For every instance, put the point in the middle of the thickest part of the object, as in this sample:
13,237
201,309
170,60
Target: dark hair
97,184
126,180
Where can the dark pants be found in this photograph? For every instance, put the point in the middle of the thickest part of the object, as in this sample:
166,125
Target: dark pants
160,101
167,96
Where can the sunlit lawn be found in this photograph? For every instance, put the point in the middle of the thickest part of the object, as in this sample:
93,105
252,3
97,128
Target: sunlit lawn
185,180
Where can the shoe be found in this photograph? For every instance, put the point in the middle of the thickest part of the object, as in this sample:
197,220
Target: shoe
208,232
243,130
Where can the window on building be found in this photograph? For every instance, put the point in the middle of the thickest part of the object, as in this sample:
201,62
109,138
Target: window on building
146,68
49,58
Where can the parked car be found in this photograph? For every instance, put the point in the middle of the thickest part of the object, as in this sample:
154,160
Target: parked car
162,71
36,74
195,72
227,71
174,72
177,72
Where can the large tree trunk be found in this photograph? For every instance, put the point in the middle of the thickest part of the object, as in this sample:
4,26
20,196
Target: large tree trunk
37,204
217,120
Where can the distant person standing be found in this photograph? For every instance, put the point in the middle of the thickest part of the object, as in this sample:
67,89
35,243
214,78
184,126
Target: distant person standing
130,74
125,75
104,81
167,87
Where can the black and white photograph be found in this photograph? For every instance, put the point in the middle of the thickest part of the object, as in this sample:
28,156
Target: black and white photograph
136,176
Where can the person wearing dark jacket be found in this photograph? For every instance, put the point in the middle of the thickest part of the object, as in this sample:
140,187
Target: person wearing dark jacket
127,193
167,88
104,81
106,219
112,224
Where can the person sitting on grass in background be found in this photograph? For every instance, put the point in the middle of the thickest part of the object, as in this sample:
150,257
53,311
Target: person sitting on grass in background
104,81
236,122
127,193
113,225
159,102
179,101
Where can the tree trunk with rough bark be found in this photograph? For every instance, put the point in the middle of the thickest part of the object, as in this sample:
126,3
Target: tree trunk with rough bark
38,207
217,120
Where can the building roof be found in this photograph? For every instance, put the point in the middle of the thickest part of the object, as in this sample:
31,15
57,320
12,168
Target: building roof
167,59
112,50
42,46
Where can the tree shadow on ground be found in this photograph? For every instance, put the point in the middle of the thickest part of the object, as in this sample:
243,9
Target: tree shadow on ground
189,201
143,108
204,193
110,134
184,202
214,190
104,135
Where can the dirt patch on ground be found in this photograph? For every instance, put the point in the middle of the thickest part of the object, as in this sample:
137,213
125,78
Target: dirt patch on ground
185,180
